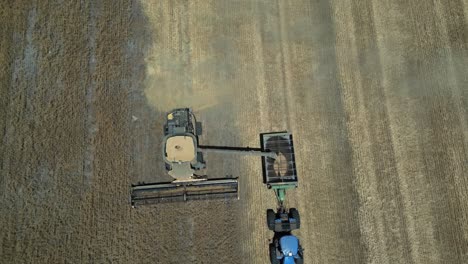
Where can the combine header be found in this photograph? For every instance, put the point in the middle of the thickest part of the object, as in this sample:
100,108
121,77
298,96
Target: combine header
183,158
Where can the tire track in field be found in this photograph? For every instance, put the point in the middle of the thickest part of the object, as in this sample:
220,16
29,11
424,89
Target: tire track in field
90,115
407,85
327,191
387,179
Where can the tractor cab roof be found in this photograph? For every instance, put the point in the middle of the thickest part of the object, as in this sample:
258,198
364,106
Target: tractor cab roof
289,246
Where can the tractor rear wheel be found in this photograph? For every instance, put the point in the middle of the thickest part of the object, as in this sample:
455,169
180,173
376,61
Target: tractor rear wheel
294,213
271,217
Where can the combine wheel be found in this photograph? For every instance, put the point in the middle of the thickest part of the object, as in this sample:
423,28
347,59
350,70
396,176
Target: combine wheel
294,213
198,128
271,217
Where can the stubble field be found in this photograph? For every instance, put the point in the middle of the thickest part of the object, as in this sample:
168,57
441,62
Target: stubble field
374,92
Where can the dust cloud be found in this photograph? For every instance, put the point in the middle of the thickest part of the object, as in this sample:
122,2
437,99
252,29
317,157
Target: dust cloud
170,83
181,74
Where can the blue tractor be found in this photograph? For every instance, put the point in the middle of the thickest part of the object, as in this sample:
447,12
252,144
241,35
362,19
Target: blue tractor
286,250
284,247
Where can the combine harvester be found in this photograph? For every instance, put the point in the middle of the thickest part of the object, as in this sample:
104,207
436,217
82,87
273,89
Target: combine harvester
183,157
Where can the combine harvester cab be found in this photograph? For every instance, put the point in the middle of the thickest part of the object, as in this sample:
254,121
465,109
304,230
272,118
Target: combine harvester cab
182,160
